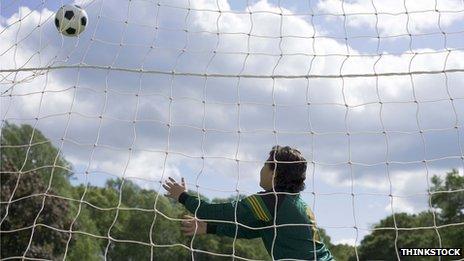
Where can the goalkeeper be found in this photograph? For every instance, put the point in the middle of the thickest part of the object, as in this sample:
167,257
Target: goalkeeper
297,240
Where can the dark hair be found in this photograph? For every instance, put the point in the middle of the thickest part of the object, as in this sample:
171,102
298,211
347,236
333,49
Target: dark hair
289,177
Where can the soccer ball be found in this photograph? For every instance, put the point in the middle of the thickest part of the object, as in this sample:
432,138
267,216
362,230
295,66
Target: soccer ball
70,20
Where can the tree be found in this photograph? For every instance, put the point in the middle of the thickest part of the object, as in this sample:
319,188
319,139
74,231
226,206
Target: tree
28,149
447,198
380,244
46,242
28,162
341,252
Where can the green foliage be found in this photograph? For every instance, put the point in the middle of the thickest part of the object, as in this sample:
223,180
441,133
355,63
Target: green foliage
449,197
340,252
380,244
448,200
24,184
30,167
28,202
28,149
84,247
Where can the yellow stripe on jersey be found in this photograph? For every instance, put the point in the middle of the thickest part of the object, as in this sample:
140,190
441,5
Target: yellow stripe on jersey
264,208
312,221
254,209
258,208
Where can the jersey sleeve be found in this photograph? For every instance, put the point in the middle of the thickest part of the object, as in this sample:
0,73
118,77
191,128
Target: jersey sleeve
250,206
228,229
251,212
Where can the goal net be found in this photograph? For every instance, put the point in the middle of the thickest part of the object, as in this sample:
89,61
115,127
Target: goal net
369,91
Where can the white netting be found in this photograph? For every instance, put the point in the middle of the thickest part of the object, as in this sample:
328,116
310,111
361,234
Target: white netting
369,91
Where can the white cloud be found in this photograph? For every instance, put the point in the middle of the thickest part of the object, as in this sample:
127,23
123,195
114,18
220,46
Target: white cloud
394,21
408,187
346,241
355,92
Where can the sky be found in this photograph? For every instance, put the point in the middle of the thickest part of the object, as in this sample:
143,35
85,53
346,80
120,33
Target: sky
347,128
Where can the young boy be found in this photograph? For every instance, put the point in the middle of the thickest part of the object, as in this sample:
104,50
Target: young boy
278,215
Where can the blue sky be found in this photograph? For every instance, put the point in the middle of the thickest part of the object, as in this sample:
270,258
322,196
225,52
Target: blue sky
330,177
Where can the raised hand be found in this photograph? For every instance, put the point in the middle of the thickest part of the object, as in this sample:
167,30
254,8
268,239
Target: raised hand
174,189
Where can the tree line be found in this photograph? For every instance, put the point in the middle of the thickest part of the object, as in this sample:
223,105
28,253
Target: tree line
42,215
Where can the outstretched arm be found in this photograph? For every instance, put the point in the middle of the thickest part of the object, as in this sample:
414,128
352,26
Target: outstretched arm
192,226
200,208
249,212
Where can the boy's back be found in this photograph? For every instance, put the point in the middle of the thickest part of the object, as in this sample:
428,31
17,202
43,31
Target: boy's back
296,234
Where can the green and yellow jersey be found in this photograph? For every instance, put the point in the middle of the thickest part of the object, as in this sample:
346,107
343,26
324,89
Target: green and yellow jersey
295,232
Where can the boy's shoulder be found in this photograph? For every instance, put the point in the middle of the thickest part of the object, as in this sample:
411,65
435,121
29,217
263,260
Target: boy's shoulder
263,204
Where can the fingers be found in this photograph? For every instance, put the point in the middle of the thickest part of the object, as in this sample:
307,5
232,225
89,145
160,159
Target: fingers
189,226
193,226
173,187
166,187
168,184
172,182
189,220
188,229
189,233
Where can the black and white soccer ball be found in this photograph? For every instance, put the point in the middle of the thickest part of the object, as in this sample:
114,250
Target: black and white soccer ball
71,20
